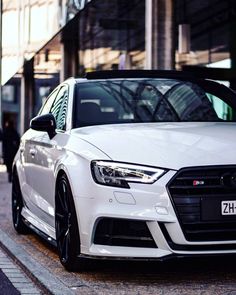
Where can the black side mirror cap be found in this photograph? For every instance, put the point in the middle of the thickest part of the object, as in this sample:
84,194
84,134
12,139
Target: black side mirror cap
45,123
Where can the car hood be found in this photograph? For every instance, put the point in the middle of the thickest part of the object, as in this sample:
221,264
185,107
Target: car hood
169,145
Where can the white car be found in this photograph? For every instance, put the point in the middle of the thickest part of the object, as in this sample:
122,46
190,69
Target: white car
130,164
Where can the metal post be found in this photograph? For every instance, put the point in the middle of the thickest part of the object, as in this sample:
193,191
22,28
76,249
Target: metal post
148,34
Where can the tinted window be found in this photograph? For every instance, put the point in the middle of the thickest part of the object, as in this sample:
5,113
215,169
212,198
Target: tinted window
146,100
59,108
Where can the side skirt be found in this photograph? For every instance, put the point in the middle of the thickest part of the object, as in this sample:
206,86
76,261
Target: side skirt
40,233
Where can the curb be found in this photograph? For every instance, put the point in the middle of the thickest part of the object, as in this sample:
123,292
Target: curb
41,276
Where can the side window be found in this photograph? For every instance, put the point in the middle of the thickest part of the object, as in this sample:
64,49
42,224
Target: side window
48,104
59,108
223,110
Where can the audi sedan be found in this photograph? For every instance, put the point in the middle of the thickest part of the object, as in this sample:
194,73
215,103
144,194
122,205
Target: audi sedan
130,164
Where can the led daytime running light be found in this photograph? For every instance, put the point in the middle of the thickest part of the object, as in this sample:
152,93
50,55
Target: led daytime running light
119,174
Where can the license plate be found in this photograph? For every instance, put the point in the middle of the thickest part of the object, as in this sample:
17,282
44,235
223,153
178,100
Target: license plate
228,207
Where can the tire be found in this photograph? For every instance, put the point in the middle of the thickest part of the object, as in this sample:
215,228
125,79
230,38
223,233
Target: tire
17,205
67,231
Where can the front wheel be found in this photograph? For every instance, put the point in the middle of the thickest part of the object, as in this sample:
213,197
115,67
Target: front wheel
67,231
17,205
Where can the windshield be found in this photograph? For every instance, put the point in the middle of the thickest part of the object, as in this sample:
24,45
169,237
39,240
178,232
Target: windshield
146,100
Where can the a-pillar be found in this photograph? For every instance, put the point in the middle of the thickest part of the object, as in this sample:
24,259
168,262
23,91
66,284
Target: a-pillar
160,41
27,95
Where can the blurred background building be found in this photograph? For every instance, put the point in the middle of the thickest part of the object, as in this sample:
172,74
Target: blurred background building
47,41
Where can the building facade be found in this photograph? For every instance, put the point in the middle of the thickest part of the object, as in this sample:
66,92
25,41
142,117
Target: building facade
56,39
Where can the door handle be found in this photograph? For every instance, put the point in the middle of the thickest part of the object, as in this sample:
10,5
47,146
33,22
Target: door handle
32,152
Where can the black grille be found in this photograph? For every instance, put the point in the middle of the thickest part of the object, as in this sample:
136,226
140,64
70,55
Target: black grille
202,247
122,232
197,194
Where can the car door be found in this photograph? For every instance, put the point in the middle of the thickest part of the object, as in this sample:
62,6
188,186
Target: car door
29,157
44,153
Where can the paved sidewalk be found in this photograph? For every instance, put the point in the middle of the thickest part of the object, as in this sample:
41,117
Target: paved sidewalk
19,282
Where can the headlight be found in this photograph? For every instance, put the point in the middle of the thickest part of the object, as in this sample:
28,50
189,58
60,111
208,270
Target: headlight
120,174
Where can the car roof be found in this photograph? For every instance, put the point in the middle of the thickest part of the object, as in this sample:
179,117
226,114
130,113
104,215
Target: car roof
113,74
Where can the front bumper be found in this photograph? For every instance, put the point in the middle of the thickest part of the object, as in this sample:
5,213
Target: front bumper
150,204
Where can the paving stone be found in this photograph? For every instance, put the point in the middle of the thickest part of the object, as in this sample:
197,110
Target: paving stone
30,292
22,285
11,270
19,280
15,275
7,266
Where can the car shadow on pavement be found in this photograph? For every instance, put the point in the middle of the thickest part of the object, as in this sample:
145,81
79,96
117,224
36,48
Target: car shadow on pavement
194,271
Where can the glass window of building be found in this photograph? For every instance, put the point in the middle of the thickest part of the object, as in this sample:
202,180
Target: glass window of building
112,35
207,31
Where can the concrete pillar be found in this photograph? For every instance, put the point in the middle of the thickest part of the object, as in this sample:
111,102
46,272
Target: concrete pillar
0,63
160,41
27,95
69,51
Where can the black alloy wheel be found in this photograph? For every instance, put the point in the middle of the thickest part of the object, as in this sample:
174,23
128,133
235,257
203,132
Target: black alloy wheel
67,232
17,205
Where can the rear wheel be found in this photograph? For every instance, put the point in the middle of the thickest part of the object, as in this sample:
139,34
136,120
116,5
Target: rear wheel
17,205
67,231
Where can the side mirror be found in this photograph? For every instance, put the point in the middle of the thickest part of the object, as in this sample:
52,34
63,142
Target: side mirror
45,123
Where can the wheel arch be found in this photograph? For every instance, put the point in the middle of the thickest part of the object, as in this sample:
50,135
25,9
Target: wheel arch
63,171
74,262
14,168
59,174
18,169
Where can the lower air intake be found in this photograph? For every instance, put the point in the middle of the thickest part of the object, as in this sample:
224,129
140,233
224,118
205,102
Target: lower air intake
123,232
